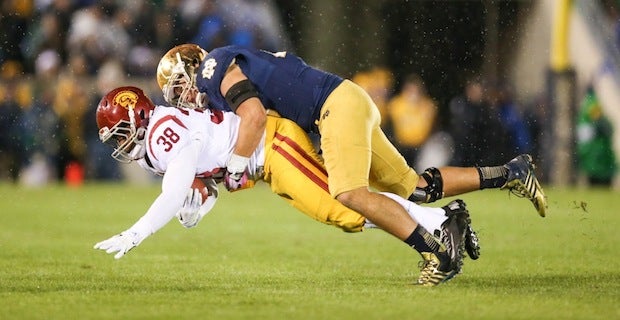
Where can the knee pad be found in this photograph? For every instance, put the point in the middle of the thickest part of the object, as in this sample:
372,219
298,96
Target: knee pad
434,188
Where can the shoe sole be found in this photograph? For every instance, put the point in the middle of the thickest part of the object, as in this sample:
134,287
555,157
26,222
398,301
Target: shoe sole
536,195
448,277
472,243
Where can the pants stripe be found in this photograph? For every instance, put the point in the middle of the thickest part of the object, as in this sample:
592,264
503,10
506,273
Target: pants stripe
301,152
297,164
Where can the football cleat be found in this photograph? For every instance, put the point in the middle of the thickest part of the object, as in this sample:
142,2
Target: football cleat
434,269
459,219
522,182
440,267
453,232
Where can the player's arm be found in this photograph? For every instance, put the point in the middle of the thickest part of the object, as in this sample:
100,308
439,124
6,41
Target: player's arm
176,181
243,99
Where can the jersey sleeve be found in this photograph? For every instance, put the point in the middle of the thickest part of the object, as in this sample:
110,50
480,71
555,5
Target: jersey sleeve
210,74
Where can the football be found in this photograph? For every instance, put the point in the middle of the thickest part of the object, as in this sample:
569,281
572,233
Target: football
200,185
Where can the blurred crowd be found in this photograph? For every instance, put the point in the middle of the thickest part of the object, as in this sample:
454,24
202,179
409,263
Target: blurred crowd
58,58
482,126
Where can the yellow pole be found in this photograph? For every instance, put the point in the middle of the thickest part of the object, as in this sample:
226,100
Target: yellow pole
559,38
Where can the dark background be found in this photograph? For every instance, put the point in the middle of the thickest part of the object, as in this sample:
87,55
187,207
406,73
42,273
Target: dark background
445,42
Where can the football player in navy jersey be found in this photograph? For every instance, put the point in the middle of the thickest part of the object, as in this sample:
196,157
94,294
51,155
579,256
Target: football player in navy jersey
356,152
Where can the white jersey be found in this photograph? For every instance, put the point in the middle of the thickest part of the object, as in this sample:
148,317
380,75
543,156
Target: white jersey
170,129
182,144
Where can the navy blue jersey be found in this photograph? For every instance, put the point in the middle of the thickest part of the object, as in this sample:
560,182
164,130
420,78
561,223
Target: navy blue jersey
285,83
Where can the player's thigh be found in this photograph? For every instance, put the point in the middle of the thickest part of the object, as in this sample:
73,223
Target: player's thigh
345,125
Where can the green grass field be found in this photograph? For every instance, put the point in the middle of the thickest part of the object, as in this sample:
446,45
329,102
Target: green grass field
254,257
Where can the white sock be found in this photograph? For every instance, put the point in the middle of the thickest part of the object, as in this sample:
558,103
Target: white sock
429,218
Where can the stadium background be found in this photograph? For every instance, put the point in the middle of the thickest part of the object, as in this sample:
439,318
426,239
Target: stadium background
60,55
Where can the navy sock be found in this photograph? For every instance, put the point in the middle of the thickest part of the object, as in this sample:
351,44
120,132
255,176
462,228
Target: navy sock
492,177
422,241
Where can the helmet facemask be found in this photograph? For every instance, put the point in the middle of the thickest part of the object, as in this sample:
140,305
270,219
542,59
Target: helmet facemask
125,138
181,85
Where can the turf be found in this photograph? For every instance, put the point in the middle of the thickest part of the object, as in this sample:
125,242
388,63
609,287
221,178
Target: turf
254,257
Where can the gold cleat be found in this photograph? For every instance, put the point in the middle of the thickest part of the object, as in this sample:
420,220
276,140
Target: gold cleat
522,182
430,271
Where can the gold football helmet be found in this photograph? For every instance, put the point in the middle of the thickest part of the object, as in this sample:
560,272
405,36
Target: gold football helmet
176,76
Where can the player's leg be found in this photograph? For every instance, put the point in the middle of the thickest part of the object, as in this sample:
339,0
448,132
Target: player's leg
439,220
347,121
345,142
345,125
517,176
390,172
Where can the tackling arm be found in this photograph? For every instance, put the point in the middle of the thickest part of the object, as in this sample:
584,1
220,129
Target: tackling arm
243,99
248,107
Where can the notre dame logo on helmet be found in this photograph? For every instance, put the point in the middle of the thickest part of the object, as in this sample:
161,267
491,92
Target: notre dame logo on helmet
126,99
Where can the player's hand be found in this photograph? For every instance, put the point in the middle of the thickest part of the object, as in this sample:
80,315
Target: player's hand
120,243
188,214
237,176
211,184
193,209
238,180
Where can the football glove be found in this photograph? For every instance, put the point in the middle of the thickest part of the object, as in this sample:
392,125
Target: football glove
193,210
237,176
238,181
120,243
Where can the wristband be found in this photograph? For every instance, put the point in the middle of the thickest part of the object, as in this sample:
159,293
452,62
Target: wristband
237,163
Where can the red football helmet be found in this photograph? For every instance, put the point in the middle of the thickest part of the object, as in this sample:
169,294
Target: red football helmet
122,117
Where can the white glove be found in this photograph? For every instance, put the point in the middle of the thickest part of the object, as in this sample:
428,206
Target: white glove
237,176
192,211
120,243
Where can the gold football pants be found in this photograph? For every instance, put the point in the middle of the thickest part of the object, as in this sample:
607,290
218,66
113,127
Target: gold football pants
356,151
296,173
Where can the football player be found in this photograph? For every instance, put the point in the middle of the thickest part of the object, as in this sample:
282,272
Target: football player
181,144
356,152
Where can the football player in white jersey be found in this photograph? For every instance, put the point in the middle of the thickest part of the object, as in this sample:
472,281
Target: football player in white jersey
182,144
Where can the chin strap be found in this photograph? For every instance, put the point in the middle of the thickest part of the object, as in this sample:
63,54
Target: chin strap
201,100
139,150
